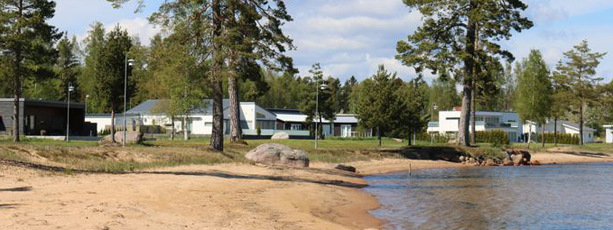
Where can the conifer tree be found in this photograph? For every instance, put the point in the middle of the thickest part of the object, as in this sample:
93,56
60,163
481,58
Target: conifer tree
461,33
26,46
577,72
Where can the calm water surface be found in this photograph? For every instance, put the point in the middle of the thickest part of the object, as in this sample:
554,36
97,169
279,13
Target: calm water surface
545,197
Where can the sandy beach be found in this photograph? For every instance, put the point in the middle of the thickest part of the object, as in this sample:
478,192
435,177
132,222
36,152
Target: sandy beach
228,196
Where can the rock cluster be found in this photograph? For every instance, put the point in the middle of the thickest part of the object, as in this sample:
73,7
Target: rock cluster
278,154
344,167
513,157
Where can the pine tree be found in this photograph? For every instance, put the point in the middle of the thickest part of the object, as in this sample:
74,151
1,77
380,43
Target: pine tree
67,66
534,91
414,114
26,50
317,102
378,104
110,73
577,72
461,33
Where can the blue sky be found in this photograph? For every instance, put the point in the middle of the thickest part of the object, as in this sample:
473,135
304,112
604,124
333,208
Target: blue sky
353,37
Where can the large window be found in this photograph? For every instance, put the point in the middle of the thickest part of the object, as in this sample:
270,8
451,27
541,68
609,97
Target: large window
296,127
266,124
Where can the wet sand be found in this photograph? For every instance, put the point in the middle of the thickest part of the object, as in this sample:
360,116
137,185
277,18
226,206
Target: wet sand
230,196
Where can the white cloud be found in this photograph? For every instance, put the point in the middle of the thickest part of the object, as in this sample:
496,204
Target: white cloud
137,27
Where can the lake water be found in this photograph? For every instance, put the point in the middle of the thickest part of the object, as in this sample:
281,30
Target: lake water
544,197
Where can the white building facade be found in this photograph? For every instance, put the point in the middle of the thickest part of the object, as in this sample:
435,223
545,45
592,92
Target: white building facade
609,134
563,127
449,123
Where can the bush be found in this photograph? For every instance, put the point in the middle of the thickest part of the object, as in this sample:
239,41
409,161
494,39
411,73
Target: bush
563,138
435,137
104,132
493,153
497,138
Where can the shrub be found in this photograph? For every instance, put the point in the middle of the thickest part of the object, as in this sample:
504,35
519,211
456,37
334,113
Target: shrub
563,138
435,137
497,138
104,132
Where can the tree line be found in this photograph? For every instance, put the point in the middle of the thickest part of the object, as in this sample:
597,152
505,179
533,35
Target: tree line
236,49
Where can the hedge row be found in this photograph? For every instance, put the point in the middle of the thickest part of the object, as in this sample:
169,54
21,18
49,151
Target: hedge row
494,137
435,137
563,138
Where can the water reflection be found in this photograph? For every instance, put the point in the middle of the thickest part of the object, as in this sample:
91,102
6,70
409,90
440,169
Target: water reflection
549,197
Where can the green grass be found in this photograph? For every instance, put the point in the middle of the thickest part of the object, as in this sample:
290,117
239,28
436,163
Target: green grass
163,152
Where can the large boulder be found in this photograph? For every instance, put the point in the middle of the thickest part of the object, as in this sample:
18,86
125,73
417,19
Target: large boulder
519,157
278,154
132,137
280,136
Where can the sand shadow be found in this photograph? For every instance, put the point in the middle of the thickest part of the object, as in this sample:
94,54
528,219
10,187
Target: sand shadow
585,154
213,173
8,206
17,189
227,175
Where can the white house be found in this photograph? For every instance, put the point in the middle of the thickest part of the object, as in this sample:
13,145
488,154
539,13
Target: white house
449,123
345,125
563,127
103,121
200,121
609,133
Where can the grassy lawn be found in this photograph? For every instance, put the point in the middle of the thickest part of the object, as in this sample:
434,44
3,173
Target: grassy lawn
162,152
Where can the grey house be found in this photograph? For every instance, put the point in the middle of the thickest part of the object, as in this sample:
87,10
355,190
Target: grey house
38,115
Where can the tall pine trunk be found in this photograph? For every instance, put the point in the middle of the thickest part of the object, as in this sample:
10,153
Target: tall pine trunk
113,125
217,87
16,120
379,135
529,136
172,130
185,129
555,131
543,133
469,64
236,133
463,130
581,141
473,117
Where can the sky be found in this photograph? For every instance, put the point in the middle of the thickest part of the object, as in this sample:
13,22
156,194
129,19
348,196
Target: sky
353,37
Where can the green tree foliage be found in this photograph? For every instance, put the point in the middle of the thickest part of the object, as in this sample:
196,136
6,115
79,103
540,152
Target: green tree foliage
577,72
344,99
458,33
378,102
26,47
67,66
94,43
534,90
444,95
110,72
414,115
318,101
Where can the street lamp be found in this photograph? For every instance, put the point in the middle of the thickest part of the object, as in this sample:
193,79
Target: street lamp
70,89
86,99
317,86
128,62
434,108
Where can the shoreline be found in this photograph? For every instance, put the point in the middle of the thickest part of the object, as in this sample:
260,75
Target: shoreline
225,196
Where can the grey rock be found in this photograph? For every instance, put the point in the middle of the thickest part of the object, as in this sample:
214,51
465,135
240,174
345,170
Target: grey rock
278,154
132,137
344,167
280,136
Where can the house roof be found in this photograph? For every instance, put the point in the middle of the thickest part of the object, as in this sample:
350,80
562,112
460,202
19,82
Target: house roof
148,106
44,103
294,115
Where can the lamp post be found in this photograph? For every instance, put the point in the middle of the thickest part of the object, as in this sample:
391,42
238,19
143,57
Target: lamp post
86,100
70,89
128,62
434,108
317,86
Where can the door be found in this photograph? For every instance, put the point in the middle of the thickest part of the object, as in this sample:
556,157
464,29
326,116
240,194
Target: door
346,130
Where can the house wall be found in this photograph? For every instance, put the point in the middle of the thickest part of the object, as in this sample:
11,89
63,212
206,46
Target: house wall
609,135
6,114
100,121
563,127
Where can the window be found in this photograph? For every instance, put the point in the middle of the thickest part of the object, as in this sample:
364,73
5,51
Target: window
208,124
296,127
